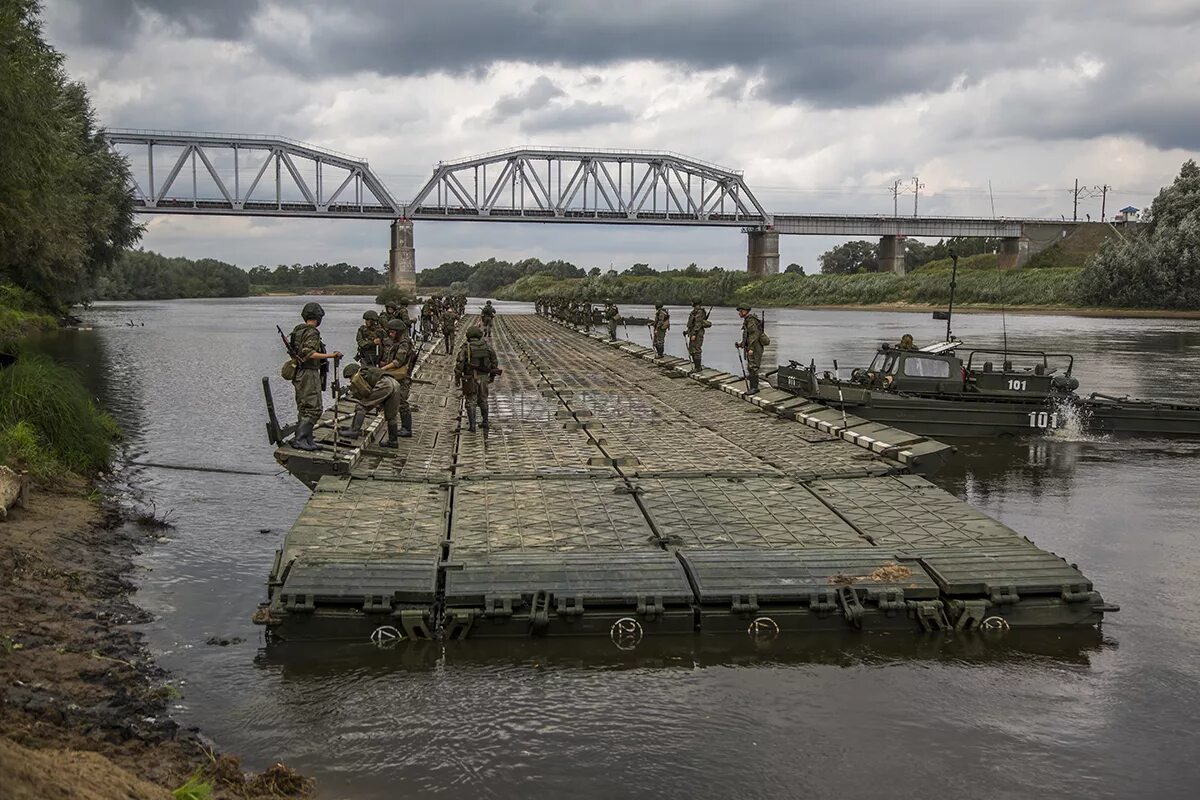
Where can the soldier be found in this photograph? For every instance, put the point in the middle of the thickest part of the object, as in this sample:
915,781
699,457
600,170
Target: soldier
752,343
660,326
487,314
371,387
906,342
611,317
310,357
449,320
369,340
696,324
474,369
397,362
588,314
389,313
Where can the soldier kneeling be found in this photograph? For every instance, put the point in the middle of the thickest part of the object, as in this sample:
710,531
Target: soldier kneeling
371,387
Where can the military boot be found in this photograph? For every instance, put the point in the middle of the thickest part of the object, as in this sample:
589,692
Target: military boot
303,439
360,416
471,417
483,417
754,384
696,363
392,441
405,424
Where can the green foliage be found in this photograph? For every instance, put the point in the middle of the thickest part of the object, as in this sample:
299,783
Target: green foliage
849,258
21,313
195,789
794,269
146,275
926,287
1159,268
48,422
917,254
673,288
65,212
394,294
484,277
298,277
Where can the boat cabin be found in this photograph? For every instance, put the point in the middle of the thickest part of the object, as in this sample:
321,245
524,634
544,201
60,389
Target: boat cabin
940,369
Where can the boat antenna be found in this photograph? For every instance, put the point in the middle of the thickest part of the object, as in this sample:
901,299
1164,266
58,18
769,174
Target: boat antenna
1004,325
953,283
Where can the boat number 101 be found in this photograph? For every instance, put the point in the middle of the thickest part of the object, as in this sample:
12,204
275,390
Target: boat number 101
1043,419
1017,386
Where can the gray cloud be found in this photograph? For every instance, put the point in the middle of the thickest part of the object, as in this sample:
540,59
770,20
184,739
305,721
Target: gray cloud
574,116
117,22
534,96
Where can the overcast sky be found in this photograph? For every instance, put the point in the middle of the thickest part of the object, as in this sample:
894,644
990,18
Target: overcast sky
823,105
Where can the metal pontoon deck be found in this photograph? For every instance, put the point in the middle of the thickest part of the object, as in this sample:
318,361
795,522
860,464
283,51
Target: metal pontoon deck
617,494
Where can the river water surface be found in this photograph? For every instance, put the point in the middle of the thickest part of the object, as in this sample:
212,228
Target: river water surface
1111,714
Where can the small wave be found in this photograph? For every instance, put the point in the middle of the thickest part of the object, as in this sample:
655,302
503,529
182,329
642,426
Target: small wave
1073,424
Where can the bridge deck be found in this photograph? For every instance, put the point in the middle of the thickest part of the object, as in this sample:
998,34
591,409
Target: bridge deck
617,495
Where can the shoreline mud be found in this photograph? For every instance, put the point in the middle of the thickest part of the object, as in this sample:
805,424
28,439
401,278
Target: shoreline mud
84,708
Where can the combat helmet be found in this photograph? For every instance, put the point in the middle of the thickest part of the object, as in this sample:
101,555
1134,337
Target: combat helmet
350,370
371,315
397,325
695,301
390,304
658,305
743,308
312,311
473,332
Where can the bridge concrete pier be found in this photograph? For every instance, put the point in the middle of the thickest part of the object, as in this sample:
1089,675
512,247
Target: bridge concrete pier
1014,253
891,255
762,253
402,258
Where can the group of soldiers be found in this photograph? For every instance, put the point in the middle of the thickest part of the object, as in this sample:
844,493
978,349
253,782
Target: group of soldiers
381,379
581,314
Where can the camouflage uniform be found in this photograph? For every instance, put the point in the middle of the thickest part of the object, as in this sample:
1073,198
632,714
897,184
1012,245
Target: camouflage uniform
473,371
660,326
449,320
488,315
306,340
753,347
696,325
367,350
611,317
588,314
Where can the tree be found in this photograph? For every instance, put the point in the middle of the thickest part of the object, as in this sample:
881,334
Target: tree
594,272
794,269
849,258
445,274
640,269
1156,269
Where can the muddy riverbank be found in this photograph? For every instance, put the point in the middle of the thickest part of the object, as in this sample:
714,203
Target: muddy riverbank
84,709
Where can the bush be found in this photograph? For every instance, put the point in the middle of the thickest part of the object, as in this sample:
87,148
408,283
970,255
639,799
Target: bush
394,294
21,313
48,422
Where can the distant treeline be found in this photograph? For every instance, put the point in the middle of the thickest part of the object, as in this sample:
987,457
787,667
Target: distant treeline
146,275
309,276
483,278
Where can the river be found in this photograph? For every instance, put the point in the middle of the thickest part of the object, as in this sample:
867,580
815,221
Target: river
1111,714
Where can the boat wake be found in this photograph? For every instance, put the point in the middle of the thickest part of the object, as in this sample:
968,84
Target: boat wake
1073,425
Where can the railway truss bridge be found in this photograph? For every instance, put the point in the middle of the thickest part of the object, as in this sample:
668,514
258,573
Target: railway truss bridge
180,172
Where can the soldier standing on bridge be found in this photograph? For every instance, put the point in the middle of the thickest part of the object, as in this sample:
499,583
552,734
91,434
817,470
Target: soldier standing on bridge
611,316
660,326
696,324
588,315
369,340
752,343
371,387
311,357
488,315
399,358
474,369
449,320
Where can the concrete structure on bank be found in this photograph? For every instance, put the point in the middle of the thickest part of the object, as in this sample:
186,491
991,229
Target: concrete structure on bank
240,175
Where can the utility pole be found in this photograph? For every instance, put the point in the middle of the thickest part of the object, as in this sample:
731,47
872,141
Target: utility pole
1075,207
896,198
1103,190
917,187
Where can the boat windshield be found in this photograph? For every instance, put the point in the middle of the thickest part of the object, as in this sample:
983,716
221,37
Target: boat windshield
884,364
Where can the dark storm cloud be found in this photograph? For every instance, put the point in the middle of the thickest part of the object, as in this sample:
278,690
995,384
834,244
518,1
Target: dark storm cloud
117,22
573,116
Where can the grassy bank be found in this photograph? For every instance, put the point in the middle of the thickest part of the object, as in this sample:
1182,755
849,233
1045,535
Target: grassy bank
978,283
49,425
21,314
258,290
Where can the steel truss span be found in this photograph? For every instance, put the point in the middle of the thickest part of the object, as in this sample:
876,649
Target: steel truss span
209,173
609,186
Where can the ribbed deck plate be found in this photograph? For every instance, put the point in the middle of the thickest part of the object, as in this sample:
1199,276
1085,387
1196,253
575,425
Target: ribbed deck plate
783,576
598,578
1025,568
503,515
760,513
347,581
910,512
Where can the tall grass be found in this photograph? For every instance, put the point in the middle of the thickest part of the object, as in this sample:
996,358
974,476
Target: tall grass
21,313
49,425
